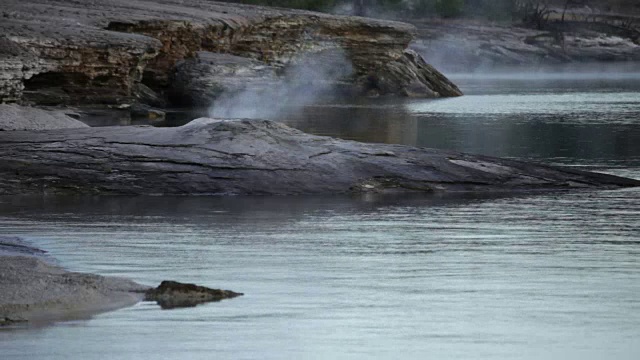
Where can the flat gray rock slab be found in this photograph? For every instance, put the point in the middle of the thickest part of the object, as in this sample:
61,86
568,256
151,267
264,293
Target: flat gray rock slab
15,117
255,157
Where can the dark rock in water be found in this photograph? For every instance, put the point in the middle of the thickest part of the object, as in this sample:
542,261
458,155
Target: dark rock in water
140,111
256,157
173,294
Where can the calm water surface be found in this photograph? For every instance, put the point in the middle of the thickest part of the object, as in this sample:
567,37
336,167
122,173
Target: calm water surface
551,276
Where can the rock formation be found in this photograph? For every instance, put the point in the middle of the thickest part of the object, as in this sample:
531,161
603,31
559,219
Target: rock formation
173,294
66,52
203,78
15,117
254,157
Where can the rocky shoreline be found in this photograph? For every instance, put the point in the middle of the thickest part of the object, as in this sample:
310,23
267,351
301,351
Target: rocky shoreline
465,46
35,291
120,52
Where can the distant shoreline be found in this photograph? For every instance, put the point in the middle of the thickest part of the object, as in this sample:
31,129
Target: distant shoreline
464,45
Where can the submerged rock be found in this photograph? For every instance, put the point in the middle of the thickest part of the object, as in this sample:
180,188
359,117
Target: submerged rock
173,294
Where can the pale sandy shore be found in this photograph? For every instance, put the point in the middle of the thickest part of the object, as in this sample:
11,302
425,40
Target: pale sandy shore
33,290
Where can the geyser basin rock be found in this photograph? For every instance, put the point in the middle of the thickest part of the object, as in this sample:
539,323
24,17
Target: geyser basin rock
243,157
173,294
70,52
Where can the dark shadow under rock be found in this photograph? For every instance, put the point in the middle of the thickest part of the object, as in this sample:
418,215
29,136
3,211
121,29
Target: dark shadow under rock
173,294
5,321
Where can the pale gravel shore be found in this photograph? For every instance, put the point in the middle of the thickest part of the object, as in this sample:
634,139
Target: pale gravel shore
33,289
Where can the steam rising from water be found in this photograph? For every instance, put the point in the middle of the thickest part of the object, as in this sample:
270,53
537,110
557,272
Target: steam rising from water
307,80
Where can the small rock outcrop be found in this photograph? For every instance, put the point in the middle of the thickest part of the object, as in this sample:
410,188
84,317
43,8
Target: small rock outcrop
69,52
255,157
15,117
411,76
173,294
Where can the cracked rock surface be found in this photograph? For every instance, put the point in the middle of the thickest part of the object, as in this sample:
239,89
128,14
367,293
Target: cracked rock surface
255,157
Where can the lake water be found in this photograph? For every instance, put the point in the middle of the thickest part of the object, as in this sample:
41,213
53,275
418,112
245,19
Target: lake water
547,276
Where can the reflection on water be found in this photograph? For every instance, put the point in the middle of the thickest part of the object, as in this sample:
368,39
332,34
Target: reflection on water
579,107
550,276
565,121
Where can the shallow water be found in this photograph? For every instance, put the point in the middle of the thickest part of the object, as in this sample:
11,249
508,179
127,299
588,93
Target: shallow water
544,276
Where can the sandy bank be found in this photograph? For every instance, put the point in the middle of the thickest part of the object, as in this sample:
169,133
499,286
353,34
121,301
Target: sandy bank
35,290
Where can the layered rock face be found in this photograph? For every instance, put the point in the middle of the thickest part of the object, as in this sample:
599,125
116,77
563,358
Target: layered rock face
66,52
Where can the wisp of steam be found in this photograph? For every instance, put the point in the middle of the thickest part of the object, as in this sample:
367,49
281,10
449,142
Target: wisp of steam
308,79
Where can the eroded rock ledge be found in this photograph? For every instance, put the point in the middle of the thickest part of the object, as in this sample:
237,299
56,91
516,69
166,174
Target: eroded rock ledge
112,51
258,157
